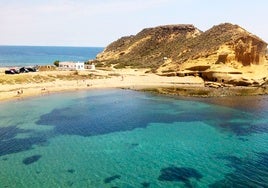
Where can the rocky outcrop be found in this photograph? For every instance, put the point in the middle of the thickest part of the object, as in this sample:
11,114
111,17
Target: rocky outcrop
149,47
225,53
230,43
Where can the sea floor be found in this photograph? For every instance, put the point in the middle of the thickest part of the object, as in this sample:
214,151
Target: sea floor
123,138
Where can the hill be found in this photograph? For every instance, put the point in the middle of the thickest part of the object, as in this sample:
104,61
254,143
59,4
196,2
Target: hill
148,47
226,53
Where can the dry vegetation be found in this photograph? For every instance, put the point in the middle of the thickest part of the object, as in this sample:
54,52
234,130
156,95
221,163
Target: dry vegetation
26,78
147,48
179,43
46,76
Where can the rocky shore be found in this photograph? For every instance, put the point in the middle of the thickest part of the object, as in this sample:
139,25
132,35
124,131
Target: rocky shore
189,91
226,54
225,60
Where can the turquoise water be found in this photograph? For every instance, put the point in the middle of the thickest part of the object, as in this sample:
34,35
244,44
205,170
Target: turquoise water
123,138
44,55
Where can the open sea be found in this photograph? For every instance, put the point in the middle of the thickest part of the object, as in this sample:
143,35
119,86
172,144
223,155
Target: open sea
44,55
129,139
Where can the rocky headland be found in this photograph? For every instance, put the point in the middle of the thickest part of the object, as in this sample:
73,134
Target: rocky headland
224,56
225,60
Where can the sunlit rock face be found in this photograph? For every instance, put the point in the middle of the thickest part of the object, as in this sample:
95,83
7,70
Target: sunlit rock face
250,50
225,53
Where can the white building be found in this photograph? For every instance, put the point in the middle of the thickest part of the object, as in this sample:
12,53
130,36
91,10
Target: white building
71,66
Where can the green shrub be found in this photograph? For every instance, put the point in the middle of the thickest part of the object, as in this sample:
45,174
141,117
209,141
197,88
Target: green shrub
56,63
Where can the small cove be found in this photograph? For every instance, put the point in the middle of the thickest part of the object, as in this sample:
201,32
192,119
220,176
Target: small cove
124,138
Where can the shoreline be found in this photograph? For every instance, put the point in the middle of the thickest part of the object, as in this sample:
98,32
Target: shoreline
46,82
50,82
206,92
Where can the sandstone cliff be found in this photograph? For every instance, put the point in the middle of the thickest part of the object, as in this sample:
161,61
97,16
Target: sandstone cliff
225,53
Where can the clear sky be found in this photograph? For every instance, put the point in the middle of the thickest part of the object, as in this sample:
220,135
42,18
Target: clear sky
100,22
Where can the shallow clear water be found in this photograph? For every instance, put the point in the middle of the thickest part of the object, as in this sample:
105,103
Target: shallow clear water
122,138
44,55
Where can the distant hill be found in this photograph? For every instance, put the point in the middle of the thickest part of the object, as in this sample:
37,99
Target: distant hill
224,53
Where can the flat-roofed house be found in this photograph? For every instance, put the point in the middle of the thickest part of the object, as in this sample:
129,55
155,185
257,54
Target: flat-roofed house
71,65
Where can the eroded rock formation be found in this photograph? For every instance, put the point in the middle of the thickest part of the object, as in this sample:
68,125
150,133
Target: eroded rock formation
183,50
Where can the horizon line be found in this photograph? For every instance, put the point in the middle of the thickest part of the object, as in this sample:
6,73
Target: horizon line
23,45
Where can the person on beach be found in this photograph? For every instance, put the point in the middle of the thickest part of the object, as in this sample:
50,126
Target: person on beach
19,92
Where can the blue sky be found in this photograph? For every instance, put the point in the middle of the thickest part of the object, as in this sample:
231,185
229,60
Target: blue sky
98,23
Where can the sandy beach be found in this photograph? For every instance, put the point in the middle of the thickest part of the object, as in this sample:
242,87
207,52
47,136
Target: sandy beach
14,87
